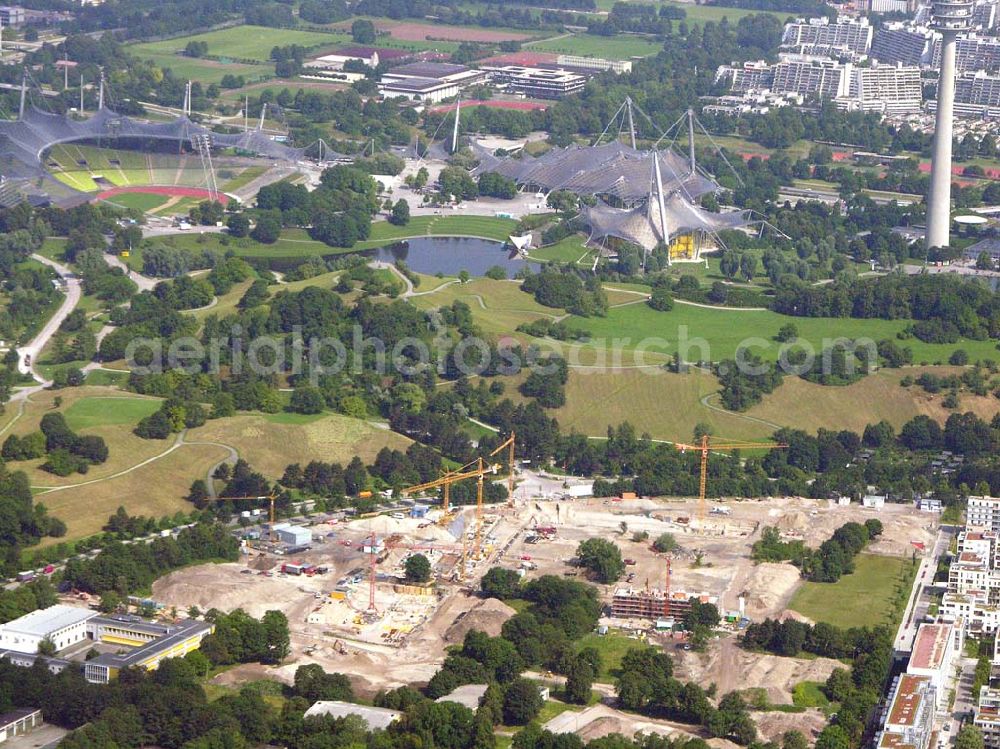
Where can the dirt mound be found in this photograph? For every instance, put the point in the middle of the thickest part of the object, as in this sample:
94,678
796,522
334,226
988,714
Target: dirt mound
769,588
487,616
793,521
602,727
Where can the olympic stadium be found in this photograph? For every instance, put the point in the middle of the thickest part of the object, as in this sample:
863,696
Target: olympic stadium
27,143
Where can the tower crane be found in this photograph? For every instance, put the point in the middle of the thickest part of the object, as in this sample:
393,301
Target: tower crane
509,444
705,446
271,497
479,472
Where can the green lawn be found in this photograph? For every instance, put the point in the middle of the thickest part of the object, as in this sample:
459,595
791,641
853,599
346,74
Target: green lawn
810,694
53,248
721,331
864,598
243,42
140,201
487,227
106,377
613,646
619,47
569,250
698,14
95,412
244,178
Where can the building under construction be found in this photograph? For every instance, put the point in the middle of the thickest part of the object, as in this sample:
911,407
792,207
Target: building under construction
651,603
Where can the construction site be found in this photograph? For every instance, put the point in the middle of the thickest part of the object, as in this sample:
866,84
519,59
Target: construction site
351,609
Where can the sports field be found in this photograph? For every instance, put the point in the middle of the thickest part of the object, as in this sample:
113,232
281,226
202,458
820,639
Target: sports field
243,42
698,14
864,598
140,201
619,47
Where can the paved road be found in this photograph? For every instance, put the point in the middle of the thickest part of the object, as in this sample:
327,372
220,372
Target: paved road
916,607
34,348
145,283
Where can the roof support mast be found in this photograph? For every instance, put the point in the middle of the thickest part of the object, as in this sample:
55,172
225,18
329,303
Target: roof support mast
454,134
664,231
691,139
631,121
24,93
100,94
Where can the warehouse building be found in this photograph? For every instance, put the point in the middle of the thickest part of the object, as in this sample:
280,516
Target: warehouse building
64,626
377,718
292,535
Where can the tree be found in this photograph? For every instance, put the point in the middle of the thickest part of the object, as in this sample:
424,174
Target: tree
666,544
307,400
238,224
110,602
787,333
660,299
579,680
268,228
363,31
602,558
521,703
500,583
418,568
46,647
969,737
400,213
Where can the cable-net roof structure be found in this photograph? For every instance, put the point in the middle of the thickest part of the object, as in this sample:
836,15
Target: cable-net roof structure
651,225
23,141
612,170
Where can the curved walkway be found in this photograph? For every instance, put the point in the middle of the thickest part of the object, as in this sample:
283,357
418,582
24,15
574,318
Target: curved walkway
34,348
705,402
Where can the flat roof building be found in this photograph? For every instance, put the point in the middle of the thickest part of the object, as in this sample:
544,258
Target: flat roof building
538,83
847,38
428,81
909,717
935,648
63,625
153,643
19,722
467,694
377,718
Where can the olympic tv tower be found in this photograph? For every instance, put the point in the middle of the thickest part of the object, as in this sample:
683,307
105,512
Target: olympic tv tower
950,18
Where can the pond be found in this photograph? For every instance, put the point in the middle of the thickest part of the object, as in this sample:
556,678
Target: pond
449,255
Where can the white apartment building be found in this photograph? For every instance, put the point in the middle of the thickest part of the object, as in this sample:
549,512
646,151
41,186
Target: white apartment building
972,52
886,89
983,513
901,43
890,89
847,38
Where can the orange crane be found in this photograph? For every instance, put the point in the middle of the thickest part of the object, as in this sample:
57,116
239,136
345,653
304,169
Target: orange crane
508,444
705,446
451,477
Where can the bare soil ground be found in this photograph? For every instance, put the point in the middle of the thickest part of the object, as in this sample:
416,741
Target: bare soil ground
407,642
729,667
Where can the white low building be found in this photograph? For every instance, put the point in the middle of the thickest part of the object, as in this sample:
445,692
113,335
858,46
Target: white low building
377,718
64,626
935,650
